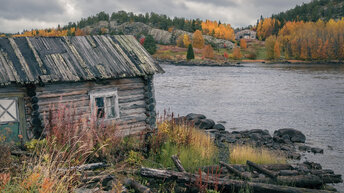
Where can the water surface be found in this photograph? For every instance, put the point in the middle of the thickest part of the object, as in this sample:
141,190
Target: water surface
309,98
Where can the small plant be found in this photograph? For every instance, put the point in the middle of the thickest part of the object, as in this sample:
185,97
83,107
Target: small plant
134,158
240,154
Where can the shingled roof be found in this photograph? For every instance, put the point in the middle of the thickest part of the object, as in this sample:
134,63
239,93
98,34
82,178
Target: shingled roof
26,60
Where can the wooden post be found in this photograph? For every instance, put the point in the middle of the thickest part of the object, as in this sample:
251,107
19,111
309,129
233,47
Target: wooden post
178,163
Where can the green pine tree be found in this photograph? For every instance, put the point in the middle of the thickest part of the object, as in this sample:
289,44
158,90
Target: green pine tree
190,54
149,44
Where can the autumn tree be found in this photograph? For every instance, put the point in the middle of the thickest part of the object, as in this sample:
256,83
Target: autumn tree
190,53
270,47
208,52
237,53
186,40
179,41
277,52
218,30
243,44
197,39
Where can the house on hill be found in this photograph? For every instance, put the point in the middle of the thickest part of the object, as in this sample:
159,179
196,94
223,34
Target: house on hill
246,34
110,76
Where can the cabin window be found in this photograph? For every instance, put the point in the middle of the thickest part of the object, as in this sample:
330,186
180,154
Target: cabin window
8,110
104,104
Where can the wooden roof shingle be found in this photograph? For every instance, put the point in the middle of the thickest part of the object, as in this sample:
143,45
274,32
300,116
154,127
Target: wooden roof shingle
26,60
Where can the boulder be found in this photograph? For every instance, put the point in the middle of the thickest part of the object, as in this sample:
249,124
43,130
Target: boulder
317,150
219,127
294,135
304,148
205,123
193,116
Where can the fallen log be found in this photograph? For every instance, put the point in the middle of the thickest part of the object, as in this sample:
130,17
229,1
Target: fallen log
262,170
130,183
225,184
234,171
177,163
92,166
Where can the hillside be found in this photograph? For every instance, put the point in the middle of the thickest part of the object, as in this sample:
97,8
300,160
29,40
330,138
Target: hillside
313,11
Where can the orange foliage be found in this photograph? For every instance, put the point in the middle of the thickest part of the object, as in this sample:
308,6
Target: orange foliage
267,27
51,32
243,44
277,52
225,55
197,40
4,179
222,31
313,40
208,52
237,53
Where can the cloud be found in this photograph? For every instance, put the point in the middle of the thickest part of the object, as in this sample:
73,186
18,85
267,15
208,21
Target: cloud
16,15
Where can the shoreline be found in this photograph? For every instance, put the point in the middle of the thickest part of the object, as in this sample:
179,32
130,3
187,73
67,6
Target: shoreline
239,63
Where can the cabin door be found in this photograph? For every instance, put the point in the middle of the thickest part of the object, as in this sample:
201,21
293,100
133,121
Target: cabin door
9,120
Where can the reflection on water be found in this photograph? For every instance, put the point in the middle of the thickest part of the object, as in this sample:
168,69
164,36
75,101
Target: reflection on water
257,96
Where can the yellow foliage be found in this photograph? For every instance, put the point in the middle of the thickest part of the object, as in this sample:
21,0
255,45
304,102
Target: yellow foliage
222,31
240,154
197,40
186,40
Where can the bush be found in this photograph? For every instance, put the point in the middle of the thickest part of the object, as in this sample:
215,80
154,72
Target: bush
251,54
240,154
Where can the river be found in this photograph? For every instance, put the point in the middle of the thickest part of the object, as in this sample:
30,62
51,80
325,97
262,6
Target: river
309,98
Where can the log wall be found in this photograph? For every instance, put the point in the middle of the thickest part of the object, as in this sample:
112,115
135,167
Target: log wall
131,99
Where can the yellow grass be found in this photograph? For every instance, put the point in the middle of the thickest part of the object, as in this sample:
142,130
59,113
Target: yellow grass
240,154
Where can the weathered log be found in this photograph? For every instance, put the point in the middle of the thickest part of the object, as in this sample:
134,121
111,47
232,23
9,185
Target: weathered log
331,178
92,166
304,181
130,183
262,170
225,184
234,171
21,153
178,163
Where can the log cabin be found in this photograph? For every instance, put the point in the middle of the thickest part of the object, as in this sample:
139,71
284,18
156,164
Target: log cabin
112,75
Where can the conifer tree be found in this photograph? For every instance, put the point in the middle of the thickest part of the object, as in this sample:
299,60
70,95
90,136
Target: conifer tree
190,54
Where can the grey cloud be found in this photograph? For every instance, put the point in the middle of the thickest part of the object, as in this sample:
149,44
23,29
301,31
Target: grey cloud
49,12
30,9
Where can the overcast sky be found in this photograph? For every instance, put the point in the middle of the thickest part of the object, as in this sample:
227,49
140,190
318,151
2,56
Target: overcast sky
17,15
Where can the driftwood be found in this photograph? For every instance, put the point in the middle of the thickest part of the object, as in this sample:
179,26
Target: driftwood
262,170
225,184
234,171
136,186
177,163
92,166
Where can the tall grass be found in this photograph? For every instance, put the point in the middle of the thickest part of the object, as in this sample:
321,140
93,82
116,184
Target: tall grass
194,147
69,143
240,154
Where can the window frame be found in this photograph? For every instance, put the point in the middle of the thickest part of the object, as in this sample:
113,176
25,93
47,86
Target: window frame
104,93
16,104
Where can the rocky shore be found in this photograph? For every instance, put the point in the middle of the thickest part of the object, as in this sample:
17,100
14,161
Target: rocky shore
199,63
289,141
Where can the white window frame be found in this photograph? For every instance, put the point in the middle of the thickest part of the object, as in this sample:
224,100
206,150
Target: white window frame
103,93
16,119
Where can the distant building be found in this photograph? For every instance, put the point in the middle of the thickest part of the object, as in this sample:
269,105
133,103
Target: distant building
110,76
246,34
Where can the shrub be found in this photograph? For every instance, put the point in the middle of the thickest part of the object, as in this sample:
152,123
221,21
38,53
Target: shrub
208,51
251,54
237,54
240,154
243,44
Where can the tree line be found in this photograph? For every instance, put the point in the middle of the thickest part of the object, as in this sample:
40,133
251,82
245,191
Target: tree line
308,41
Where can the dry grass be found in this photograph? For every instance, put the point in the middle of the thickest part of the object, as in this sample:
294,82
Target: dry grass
240,154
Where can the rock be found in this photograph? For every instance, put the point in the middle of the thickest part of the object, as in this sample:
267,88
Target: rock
255,136
294,156
312,165
193,116
304,148
219,127
205,124
161,36
317,150
294,135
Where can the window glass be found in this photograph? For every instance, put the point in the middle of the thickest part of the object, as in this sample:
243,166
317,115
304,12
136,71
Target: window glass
100,107
8,110
110,107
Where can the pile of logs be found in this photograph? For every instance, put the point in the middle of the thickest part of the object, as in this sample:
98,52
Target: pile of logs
278,178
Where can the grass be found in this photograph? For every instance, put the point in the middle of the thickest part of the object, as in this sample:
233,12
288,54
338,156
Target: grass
240,154
194,147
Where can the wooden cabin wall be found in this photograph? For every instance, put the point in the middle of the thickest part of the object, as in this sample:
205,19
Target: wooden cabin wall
131,99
